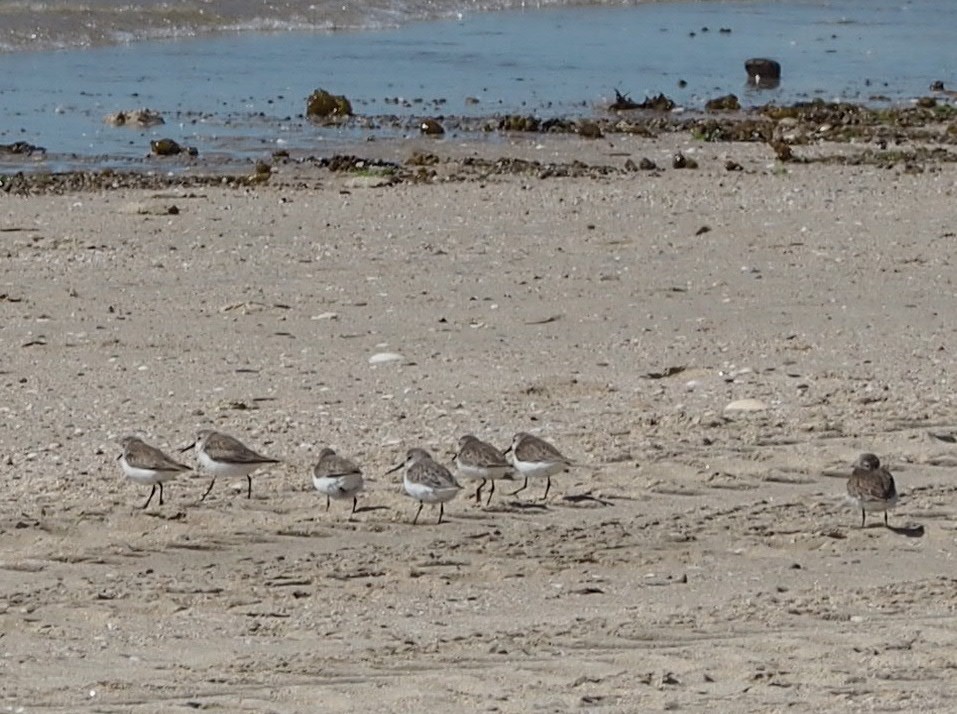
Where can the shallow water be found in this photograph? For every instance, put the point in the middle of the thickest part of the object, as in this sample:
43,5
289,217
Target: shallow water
242,95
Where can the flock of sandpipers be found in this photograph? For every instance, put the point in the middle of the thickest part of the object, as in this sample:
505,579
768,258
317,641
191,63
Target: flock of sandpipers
870,486
337,477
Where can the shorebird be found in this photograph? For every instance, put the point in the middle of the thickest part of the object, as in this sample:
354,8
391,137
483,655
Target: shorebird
337,477
871,487
427,482
145,464
224,455
479,460
536,458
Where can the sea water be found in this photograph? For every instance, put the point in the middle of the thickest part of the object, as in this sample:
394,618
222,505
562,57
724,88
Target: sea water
235,86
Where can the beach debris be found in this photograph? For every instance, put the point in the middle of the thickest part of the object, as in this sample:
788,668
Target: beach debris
431,127
327,108
514,122
589,130
659,103
137,118
727,103
763,73
21,148
647,164
732,165
746,405
385,358
622,103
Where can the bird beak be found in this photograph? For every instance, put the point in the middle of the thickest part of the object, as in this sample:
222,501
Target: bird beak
394,469
508,450
187,448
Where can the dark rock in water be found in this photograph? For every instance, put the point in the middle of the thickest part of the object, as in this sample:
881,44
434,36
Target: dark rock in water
727,103
763,73
731,165
937,86
589,130
327,108
926,102
647,164
725,30
21,148
622,103
682,84
165,147
430,127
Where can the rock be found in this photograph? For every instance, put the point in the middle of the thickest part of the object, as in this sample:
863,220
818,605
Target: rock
763,73
430,127
165,147
680,161
589,130
647,164
937,86
327,108
630,165
782,150
731,165
746,405
727,103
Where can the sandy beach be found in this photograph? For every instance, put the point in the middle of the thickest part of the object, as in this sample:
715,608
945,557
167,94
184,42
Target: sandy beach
699,559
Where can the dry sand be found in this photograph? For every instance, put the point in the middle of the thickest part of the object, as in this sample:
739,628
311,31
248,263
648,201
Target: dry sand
701,560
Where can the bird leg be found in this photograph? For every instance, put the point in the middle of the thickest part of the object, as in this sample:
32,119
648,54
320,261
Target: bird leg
161,495
548,485
152,491
490,492
478,492
524,486
416,519
208,489
355,503
249,486
441,513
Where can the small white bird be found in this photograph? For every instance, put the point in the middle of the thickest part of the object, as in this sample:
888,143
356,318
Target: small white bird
224,455
337,477
427,482
536,458
145,464
871,487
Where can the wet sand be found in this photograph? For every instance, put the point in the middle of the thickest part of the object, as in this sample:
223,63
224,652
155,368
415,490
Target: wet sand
700,559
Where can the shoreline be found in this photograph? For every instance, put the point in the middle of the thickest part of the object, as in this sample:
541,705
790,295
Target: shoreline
819,132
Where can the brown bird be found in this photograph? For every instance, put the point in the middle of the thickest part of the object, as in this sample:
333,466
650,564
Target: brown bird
871,487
